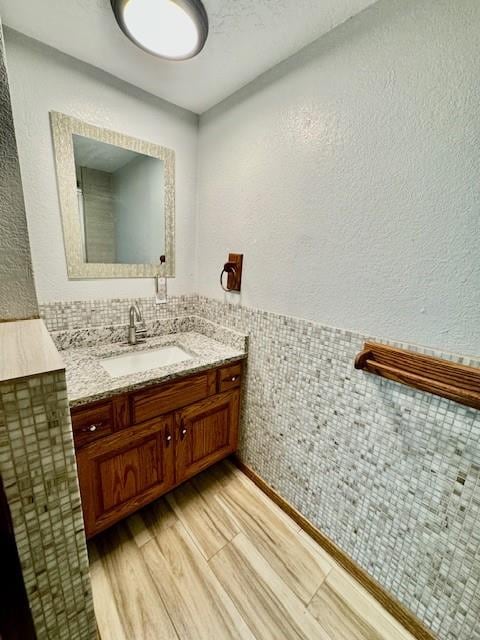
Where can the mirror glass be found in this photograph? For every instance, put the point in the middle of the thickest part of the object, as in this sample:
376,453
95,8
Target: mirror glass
120,196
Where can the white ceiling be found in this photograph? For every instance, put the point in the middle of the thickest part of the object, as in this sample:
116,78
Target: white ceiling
95,154
246,38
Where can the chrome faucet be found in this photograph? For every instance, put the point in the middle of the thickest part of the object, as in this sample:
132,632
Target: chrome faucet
133,332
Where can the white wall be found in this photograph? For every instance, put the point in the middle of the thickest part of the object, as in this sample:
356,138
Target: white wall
348,175
349,178
42,80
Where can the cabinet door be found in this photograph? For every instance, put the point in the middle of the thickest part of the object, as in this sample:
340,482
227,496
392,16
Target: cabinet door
121,473
206,431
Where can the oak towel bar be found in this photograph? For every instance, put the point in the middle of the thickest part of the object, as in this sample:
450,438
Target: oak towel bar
441,377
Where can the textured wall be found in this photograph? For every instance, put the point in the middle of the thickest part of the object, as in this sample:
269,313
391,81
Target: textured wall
17,288
348,176
42,80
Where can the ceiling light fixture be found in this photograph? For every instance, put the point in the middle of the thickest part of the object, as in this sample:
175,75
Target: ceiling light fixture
172,29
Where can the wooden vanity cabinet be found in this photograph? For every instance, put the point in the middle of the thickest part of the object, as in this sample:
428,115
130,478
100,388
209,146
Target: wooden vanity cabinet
146,442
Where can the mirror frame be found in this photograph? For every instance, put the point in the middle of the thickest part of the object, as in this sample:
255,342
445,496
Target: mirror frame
63,129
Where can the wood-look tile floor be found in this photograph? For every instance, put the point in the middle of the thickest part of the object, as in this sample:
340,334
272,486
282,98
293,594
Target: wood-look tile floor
216,559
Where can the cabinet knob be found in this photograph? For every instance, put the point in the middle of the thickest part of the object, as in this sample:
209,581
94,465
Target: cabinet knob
233,378
183,433
91,428
168,438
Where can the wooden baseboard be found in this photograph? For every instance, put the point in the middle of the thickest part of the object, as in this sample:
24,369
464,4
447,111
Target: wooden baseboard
388,602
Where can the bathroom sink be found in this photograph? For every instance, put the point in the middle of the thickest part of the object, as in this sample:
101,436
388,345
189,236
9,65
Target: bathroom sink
136,362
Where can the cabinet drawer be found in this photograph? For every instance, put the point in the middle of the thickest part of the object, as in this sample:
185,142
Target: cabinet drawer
150,403
229,377
92,423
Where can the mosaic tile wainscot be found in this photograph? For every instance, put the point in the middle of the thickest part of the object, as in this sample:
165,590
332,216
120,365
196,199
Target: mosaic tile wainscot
390,474
37,464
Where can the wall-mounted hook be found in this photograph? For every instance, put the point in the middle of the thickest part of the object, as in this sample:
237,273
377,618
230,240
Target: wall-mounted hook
233,268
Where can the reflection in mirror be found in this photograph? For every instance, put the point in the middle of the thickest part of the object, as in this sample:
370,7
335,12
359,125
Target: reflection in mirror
120,197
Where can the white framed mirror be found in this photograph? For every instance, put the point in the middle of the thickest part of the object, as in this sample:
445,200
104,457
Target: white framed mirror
117,201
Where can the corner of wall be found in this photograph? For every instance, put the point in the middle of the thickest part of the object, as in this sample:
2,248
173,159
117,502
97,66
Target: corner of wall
18,299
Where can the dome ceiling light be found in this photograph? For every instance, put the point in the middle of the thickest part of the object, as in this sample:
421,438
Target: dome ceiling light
171,29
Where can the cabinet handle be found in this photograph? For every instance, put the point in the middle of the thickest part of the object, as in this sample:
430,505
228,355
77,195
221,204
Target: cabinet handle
168,438
91,428
233,378
183,433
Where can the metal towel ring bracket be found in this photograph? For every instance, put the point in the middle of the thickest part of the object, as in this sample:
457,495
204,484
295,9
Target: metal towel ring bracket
228,267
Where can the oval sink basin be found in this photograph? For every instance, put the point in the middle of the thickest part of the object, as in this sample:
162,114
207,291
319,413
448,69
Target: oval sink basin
136,362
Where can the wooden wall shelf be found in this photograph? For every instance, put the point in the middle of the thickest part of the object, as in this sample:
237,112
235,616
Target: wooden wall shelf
441,377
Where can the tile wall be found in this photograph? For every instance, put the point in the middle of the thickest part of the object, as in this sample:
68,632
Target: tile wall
112,311
390,474
38,469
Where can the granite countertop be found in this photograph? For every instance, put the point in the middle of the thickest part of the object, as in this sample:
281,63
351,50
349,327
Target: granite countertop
88,381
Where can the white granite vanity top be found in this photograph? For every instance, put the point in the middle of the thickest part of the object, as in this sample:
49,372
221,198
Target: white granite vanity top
88,381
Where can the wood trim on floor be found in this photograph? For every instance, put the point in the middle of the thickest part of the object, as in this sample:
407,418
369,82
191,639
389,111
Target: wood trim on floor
388,602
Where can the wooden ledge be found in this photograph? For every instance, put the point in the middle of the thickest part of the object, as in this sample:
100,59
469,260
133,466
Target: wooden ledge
443,378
